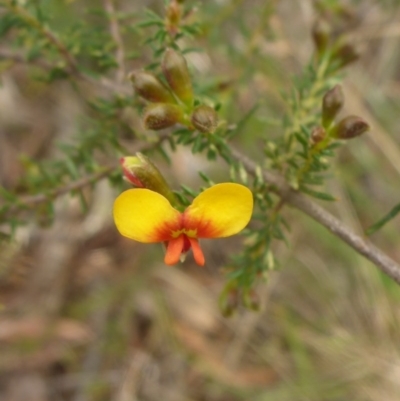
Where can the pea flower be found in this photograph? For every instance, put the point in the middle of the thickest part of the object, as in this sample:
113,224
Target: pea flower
148,217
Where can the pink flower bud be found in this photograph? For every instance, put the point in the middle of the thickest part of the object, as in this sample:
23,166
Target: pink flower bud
141,172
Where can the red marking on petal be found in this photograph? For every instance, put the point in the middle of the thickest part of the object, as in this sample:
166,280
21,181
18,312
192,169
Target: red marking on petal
164,231
174,250
204,228
197,252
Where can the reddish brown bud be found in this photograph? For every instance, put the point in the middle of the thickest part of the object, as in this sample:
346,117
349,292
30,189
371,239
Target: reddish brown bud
229,301
205,119
150,87
346,54
251,300
317,135
162,115
321,33
176,72
332,102
349,127
173,17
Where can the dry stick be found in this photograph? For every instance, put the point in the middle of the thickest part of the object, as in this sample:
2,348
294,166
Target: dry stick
106,84
47,33
320,215
71,63
30,201
116,35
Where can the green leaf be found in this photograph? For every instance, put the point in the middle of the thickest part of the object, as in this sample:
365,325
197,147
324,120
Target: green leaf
7,22
206,178
153,15
319,195
181,198
379,224
147,23
197,144
241,124
188,191
301,139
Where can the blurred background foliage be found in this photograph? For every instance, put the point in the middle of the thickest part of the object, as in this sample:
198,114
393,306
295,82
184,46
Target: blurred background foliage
89,315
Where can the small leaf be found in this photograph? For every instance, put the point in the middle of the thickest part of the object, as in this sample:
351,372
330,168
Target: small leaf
182,199
197,144
319,195
393,213
301,139
188,191
206,179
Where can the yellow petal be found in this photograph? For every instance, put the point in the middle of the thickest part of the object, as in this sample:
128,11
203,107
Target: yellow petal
145,216
219,211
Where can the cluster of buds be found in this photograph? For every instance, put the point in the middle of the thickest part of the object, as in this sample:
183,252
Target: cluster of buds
347,128
172,104
340,50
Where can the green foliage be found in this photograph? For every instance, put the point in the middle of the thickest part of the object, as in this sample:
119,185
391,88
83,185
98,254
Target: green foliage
88,54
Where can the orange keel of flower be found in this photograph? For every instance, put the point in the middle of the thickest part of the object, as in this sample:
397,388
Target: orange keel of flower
178,246
146,216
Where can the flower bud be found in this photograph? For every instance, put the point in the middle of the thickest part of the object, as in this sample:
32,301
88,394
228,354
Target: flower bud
332,102
173,17
321,33
229,301
346,54
149,87
141,172
317,135
204,118
176,72
162,115
251,300
349,127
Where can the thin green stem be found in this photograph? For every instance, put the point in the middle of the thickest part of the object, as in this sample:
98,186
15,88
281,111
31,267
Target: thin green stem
314,151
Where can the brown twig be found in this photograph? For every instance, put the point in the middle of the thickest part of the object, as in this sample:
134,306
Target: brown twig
104,83
116,35
47,33
31,201
319,214
71,64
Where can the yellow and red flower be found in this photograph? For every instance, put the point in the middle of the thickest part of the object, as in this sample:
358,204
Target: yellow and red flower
147,216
